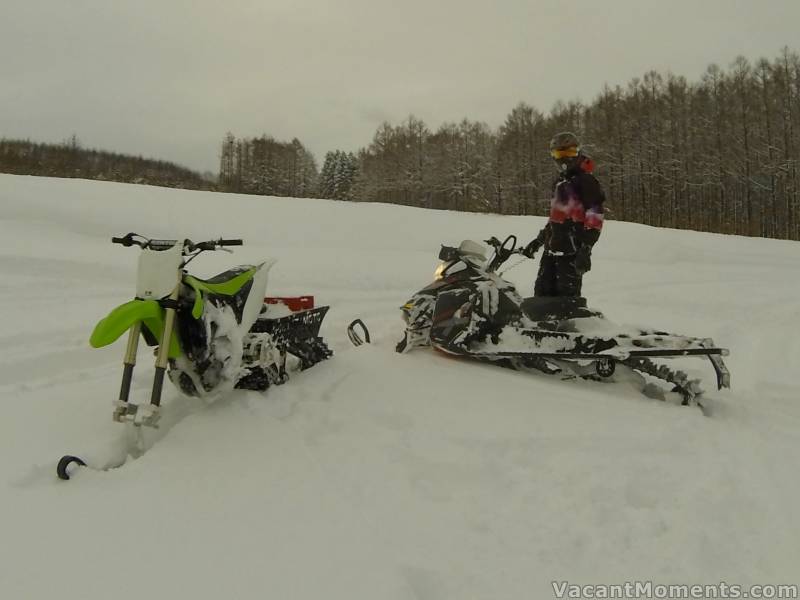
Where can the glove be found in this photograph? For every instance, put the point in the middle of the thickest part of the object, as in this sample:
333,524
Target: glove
583,259
532,248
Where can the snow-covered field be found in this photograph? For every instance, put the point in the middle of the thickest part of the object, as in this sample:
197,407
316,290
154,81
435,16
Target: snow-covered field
375,475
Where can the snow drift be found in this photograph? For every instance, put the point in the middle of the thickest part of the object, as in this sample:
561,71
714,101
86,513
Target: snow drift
376,475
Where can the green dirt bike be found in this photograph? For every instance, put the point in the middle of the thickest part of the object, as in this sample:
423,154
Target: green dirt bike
210,335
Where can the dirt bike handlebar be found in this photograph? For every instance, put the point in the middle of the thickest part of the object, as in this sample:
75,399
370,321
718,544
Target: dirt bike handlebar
126,240
134,239
212,244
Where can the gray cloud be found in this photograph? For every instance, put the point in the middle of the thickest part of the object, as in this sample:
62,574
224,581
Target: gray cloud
169,78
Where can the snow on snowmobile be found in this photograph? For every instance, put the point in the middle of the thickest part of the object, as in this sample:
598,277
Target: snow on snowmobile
469,310
210,335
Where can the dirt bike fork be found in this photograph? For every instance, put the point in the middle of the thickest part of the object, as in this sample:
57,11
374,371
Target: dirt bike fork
146,414
123,410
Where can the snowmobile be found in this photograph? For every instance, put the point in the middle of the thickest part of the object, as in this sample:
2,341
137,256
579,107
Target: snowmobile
470,310
210,335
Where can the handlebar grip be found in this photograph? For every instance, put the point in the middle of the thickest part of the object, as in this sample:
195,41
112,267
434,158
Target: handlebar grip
230,242
126,240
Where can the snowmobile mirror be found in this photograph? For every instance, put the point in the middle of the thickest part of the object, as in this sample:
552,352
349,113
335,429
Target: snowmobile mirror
448,253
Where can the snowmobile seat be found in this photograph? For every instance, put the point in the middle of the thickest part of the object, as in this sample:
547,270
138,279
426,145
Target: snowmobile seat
555,308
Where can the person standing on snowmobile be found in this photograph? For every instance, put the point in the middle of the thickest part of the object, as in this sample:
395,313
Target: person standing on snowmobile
576,219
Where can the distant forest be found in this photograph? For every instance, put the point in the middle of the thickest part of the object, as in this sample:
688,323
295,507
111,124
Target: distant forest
70,159
268,167
720,154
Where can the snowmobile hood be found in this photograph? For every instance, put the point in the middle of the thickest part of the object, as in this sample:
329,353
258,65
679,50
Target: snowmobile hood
123,317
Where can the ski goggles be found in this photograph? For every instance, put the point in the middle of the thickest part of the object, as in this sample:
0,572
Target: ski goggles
570,152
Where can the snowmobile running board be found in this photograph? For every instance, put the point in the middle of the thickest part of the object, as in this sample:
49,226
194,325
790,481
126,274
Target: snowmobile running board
615,355
714,355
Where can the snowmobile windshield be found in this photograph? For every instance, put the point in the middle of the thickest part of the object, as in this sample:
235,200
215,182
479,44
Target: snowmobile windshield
468,253
472,250
467,249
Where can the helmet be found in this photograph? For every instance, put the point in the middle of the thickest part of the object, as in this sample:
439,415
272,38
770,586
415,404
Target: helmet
565,149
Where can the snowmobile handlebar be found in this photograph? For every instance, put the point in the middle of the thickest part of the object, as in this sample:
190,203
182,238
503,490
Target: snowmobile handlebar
503,251
504,245
134,239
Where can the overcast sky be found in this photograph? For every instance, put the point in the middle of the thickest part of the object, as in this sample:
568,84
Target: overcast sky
168,78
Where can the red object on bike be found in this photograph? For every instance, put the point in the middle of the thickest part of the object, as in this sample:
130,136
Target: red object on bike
293,303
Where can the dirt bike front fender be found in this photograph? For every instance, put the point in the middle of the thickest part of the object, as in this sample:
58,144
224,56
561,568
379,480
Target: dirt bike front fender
124,316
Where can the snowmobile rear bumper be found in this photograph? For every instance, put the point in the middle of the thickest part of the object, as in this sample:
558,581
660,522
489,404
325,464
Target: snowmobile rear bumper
723,375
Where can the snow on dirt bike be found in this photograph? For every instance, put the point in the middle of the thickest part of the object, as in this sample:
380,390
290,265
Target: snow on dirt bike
470,310
211,335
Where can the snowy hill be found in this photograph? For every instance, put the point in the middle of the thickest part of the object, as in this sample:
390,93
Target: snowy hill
375,475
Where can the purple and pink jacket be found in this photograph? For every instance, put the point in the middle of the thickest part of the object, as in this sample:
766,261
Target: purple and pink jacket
576,213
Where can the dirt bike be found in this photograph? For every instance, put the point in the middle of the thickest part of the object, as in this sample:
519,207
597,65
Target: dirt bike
209,335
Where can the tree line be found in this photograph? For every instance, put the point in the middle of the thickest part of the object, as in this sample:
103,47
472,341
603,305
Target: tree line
268,167
720,154
70,159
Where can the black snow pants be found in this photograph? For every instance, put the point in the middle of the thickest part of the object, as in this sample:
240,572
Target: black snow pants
557,276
